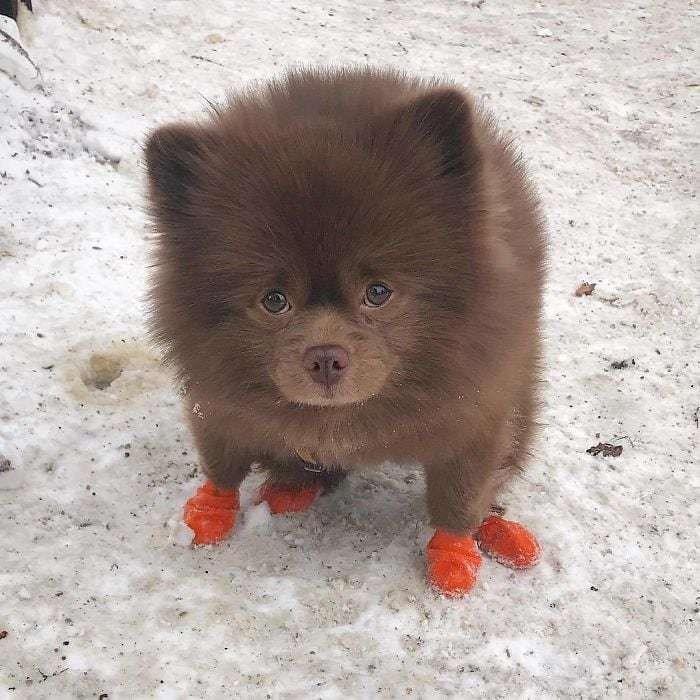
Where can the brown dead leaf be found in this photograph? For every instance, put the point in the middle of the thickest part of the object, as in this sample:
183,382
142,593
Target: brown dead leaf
606,449
585,289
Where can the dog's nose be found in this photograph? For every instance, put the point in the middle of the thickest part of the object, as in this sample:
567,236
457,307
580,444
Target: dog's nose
326,363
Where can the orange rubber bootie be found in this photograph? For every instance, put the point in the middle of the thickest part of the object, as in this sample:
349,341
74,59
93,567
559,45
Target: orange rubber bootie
283,500
453,563
211,513
508,543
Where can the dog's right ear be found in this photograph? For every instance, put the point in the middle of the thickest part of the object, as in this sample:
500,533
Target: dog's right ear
173,154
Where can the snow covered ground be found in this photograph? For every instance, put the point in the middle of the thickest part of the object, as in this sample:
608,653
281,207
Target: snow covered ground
98,595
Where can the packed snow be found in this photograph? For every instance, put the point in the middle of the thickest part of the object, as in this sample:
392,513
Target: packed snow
101,594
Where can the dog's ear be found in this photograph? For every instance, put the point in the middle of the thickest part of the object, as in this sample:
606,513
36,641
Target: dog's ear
172,156
444,118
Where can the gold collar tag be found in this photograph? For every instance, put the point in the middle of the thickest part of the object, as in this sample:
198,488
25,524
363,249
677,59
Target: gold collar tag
310,464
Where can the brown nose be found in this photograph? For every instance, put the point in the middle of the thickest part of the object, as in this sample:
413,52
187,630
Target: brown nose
326,363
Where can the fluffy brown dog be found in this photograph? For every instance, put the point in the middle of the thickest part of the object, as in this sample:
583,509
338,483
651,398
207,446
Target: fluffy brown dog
349,271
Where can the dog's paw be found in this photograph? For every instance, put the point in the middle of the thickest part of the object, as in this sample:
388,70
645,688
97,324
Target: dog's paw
508,543
287,500
211,513
453,563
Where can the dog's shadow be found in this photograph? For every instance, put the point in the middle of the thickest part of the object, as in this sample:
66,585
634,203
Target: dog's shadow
372,516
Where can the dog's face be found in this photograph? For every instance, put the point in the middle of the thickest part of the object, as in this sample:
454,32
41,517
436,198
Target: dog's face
327,355
307,269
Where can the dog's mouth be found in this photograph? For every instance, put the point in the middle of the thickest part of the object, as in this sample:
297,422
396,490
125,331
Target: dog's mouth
319,395
346,392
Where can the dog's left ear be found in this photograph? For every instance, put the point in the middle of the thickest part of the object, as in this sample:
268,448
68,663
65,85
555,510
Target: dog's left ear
444,118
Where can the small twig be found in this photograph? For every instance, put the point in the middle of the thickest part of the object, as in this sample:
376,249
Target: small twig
624,437
613,301
4,36
44,677
208,60
660,303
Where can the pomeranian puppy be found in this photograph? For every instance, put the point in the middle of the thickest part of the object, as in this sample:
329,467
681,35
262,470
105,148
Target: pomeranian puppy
349,271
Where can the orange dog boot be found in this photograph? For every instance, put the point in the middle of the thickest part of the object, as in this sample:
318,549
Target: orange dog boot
453,563
508,543
211,513
287,500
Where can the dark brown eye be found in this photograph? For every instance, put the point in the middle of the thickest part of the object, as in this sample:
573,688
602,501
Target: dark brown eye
275,302
377,294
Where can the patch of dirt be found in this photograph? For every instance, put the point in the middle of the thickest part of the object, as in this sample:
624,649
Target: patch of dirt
102,370
622,364
112,371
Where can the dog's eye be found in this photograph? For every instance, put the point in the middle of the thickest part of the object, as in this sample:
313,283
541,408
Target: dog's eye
275,302
377,294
